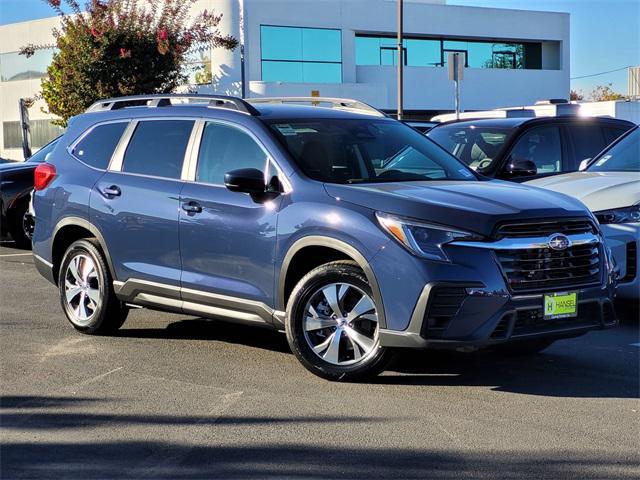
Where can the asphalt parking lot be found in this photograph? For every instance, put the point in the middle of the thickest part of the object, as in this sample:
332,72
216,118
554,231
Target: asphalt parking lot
179,397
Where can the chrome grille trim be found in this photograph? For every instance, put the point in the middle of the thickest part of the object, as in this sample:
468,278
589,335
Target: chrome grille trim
530,243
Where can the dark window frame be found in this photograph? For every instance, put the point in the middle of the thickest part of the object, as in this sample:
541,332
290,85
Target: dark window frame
443,50
199,142
131,136
88,132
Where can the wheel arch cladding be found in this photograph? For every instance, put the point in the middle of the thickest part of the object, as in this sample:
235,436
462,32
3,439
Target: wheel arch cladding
68,231
312,251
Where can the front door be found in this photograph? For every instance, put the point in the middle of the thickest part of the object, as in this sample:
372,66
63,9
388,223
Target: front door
227,239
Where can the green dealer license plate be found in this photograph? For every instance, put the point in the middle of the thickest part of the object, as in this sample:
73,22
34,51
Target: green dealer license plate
560,305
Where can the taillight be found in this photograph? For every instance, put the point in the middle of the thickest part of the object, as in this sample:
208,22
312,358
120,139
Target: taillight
43,175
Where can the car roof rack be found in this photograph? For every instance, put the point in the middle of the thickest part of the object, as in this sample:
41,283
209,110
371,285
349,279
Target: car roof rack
166,100
337,103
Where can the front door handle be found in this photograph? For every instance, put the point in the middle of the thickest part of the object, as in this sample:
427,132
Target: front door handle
192,207
112,191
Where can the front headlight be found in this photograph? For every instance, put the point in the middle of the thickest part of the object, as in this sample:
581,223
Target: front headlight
421,239
619,215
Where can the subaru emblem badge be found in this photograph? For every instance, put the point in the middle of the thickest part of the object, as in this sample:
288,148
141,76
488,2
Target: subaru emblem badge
558,241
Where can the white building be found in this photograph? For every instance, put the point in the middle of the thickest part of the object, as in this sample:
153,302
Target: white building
347,48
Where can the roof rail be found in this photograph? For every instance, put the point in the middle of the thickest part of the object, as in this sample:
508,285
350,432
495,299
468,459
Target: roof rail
165,100
337,103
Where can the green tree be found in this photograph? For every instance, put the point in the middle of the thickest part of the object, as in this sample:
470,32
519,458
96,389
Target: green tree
123,47
604,93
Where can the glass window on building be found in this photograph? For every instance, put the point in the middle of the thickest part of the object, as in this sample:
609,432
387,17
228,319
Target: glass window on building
424,52
14,66
303,55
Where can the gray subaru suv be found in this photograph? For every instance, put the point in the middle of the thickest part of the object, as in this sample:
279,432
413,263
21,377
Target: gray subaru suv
351,232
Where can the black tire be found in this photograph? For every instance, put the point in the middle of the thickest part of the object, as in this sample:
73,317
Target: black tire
334,272
16,225
109,314
525,347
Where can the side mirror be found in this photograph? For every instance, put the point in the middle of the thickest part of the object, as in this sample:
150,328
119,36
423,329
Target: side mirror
584,164
245,180
520,167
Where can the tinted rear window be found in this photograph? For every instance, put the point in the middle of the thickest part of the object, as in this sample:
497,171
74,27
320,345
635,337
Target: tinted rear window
588,141
157,148
97,147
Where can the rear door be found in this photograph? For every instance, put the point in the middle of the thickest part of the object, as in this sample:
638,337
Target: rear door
135,204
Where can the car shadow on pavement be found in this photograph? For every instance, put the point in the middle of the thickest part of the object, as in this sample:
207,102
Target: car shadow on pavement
573,368
219,330
152,459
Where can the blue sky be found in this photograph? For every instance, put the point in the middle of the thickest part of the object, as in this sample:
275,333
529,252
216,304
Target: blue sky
604,36
604,33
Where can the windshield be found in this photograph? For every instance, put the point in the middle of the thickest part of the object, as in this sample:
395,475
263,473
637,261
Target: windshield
624,156
365,151
477,147
41,154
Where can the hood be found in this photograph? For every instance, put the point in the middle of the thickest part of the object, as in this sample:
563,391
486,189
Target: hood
472,206
597,190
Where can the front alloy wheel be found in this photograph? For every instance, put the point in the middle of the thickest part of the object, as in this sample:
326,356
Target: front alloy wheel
333,323
341,324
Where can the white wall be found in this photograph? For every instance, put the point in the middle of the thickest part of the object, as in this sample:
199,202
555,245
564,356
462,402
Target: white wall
425,87
12,38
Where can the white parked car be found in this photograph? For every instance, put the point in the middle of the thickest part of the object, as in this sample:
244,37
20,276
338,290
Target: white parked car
610,186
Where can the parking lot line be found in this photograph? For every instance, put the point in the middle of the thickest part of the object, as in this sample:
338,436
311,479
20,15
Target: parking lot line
15,254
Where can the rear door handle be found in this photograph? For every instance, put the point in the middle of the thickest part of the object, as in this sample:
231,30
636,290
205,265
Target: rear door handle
112,191
192,207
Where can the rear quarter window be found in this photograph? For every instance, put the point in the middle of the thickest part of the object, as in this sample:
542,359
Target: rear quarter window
96,147
587,140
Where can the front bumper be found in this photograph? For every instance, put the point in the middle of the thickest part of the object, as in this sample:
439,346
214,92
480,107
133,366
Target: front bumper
467,303
516,318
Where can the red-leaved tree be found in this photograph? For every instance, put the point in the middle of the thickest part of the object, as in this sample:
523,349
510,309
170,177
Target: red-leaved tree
123,47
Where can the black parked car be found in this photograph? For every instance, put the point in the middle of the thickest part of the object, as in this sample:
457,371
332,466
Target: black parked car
520,149
16,183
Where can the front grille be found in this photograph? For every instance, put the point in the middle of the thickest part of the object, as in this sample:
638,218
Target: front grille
545,228
632,262
444,303
532,321
546,269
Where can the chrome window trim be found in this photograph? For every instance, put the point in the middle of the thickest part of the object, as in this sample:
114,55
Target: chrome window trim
269,158
530,242
83,135
118,154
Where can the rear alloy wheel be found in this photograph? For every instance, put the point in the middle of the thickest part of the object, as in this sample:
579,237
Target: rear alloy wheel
20,232
333,325
86,290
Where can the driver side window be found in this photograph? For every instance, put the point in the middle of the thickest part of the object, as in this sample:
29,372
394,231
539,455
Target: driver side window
542,146
224,148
